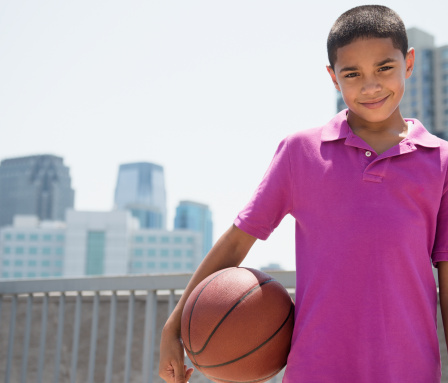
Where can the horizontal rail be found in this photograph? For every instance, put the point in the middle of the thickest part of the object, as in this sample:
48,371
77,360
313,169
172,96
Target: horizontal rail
115,283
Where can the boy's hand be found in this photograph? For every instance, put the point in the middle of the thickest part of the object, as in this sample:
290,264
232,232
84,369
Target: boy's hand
171,366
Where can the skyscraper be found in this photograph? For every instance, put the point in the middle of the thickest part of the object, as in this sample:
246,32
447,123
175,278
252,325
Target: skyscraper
196,217
38,185
426,95
141,190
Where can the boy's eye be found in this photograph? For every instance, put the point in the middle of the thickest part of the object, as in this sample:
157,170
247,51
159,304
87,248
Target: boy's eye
384,68
350,75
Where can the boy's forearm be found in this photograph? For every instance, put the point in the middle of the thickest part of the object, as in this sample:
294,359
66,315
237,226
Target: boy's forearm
229,251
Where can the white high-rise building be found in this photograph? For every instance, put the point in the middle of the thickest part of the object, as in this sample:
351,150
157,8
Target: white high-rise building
94,243
30,248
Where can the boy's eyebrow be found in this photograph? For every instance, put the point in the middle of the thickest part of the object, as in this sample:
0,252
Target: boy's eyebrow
380,63
385,61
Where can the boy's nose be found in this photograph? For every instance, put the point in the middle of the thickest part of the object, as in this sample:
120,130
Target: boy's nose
371,86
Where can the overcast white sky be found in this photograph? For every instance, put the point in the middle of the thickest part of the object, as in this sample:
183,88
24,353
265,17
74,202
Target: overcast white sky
205,88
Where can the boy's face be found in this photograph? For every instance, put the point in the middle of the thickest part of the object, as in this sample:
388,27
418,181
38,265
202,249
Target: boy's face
371,73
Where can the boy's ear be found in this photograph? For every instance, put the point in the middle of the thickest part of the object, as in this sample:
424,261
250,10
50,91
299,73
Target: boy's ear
333,77
410,60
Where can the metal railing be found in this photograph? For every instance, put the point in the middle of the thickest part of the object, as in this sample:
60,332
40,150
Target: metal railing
94,292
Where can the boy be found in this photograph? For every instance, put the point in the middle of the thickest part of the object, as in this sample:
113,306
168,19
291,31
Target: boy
368,192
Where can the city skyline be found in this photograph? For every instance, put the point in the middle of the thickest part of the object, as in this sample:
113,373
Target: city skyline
206,90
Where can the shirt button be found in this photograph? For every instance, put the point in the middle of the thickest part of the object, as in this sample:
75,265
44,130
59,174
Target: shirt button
368,153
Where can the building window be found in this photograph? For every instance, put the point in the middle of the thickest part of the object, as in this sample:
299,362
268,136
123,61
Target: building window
20,250
31,274
137,265
6,250
190,253
45,274
59,251
7,237
151,252
152,239
32,263
20,237
5,262
138,252
5,274
177,253
17,274
151,265
47,237
165,239
46,250
34,237
60,237
189,266
190,239
58,263
164,265
445,53
32,250
177,239
138,239
18,262
45,263
95,252
164,253
177,265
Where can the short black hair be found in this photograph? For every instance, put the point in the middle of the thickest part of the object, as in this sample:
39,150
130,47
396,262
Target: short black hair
366,21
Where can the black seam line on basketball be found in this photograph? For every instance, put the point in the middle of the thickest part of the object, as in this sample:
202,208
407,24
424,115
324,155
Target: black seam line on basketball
194,304
244,381
252,351
227,314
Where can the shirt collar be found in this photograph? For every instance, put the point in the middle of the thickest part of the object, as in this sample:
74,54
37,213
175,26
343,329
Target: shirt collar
337,128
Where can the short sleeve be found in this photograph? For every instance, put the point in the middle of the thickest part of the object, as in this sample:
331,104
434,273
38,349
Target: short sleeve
440,249
272,199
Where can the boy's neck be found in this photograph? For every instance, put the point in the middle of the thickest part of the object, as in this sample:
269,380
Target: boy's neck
395,125
382,135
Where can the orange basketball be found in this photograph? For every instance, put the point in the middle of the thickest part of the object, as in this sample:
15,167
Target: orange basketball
237,326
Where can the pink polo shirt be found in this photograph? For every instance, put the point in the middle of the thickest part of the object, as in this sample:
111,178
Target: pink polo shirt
367,228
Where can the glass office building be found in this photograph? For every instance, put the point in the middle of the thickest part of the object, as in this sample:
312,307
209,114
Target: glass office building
196,217
36,185
141,190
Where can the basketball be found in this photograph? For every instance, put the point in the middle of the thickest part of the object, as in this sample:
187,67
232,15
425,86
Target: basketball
237,326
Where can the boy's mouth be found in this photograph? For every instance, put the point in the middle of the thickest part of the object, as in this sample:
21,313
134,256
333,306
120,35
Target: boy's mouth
376,103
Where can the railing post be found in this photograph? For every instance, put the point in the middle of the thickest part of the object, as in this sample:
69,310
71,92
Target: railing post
149,336
60,334
76,337
43,338
110,347
12,329
26,341
129,335
171,302
93,337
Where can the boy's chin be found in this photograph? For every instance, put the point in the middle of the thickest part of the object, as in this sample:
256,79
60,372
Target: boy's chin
371,116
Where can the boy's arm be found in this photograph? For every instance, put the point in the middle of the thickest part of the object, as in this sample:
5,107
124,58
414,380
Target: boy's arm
229,251
442,269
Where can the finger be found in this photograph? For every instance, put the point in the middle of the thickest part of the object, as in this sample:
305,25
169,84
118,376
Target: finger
188,373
